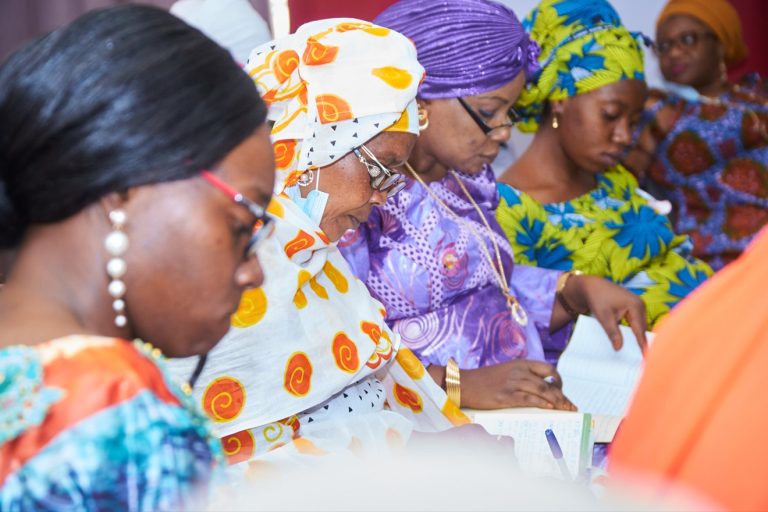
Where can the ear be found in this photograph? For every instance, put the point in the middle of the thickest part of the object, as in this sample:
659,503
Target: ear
558,106
115,200
423,104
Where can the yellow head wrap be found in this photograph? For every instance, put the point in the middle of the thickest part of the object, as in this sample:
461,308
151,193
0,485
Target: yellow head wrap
584,46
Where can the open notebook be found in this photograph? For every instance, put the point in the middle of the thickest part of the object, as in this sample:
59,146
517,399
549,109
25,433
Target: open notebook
527,426
597,378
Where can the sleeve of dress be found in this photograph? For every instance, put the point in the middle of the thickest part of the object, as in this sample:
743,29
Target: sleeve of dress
534,287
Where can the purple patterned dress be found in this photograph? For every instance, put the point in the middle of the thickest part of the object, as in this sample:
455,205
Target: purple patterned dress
440,292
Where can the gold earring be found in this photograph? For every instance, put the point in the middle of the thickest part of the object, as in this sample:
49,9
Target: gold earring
555,122
423,119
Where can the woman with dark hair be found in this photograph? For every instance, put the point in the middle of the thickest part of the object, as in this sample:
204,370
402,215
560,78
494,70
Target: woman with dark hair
126,135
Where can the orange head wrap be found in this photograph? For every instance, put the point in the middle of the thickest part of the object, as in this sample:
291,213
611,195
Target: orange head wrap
719,16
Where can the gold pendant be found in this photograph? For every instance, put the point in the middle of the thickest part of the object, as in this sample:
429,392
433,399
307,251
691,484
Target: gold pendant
518,313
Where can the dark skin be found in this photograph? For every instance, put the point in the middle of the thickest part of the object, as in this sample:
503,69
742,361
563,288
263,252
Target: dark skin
348,183
517,383
454,141
701,66
594,130
59,283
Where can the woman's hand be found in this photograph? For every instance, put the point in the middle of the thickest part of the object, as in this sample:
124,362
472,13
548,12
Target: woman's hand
518,383
609,304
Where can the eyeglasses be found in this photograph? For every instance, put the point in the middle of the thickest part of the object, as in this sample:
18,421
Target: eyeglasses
512,114
685,41
382,179
262,229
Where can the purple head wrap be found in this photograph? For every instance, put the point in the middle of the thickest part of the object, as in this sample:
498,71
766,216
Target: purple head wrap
467,47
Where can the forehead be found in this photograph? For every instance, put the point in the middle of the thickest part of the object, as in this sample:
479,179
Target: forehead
392,147
630,93
250,167
678,24
508,92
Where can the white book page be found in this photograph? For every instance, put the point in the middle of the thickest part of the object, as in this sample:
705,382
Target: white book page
531,447
597,378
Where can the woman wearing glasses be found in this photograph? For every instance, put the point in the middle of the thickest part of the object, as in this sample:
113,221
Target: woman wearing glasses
309,362
568,203
435,255
100,185
704,146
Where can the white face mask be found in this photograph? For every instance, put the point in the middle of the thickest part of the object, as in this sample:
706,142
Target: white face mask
314,204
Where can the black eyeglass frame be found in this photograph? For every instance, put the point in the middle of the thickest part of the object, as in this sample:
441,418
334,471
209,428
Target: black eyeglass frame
512,114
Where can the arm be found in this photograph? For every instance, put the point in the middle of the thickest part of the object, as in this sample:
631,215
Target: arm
517,383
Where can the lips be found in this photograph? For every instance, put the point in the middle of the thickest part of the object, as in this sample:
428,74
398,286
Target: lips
678,69
611,159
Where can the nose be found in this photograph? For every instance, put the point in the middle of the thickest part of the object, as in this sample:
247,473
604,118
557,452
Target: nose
250,274
378,198
674,51
622,134
501,135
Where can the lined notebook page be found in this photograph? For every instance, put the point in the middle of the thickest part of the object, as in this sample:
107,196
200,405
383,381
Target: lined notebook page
597,378
527,427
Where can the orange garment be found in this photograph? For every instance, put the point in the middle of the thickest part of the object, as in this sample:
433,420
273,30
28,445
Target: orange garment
700,417
719,16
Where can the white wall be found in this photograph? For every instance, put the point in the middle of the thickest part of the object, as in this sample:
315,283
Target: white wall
637,15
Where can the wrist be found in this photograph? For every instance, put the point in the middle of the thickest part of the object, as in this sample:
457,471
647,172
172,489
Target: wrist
453,382
569,292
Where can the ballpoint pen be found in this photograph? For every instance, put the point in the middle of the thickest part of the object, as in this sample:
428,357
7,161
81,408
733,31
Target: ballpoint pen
557,453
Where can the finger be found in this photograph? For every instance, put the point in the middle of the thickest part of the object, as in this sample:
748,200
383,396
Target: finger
542,369
611,326
637,322
537,386
571,404
523,399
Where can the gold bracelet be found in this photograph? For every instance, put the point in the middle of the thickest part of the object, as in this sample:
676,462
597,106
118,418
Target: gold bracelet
562,280
560,286
453,382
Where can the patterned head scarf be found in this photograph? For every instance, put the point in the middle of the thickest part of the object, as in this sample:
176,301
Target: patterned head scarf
719,16
584,46
330,87
468,47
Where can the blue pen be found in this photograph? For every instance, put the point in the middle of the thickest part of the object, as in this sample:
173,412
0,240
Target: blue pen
557,453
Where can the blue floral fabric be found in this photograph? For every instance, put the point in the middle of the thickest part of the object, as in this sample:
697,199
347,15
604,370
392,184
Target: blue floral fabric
612,231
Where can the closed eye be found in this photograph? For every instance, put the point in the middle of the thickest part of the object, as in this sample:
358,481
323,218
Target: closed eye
486,114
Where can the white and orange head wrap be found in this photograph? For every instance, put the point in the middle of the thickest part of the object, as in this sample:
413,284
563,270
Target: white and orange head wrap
331,86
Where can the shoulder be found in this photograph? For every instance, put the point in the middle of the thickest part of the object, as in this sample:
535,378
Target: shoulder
618,177
74,378
509,196
753,87
92,394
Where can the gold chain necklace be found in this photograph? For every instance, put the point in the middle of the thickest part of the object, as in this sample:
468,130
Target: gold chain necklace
515,308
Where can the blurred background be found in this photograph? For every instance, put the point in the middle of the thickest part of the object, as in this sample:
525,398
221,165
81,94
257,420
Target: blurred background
21,20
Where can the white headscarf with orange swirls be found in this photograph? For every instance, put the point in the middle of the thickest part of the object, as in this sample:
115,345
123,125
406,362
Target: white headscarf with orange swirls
331,86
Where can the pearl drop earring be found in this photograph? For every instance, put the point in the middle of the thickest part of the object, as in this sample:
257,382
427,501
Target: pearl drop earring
116,244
